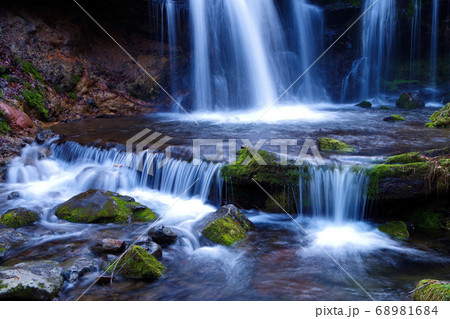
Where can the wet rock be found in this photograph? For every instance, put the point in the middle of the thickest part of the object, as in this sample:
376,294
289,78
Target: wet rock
38,280
328,144
45,136
432,290
153,248
77,268
14,195
137,263
410,101
95,206
365,104
396,229
109,246
441,118
16,119
19,217
393,118
163,236
226,226
9,239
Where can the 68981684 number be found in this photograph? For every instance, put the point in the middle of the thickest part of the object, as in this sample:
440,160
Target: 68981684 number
406,310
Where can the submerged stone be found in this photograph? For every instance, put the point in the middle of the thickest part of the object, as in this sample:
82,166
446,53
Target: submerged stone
432,290
137,263
227,226
410,101
441,118
18,217
394,118
38,280
396,229
328,144
95,206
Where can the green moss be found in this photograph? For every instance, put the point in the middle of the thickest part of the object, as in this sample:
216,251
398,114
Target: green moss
34,96
441,118
18,218
365,104
132,209
432,290
413,157
397,118
28,68
427,218
385,108
2,249
4,127
225,231
328,144
396,229
137,263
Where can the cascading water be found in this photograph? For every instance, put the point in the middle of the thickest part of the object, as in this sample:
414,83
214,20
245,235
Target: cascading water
338,193
378,33
415,39
434,43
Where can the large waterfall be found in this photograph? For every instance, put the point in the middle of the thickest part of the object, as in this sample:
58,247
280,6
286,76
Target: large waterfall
434,43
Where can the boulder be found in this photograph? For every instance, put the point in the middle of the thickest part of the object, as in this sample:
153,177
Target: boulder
226,226
77,268
10,239
109,246
153,248
16,119
37,280
394,118
328,144
365,104
432,290
14,195
441,118
410,101
18,217
396,229
95,206
137,263
163,236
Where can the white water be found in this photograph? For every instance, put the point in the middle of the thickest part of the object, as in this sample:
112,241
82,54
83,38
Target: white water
415,38
434,43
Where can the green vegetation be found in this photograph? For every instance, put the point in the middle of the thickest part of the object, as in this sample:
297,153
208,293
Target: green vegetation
432,290
34,96
427,218
396,229
137,263
4,127
441,118
365,104
407,158
29,68
397,118
383,107
19,217
328,144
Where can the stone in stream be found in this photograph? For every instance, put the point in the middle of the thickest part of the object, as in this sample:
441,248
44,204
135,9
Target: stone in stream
95,206
393,118
328,144
226,226
441,118
14,195
396,229
432,290
18,217
109,246
153,248
77,268
37,280
10,239
410,101
163,236
137,263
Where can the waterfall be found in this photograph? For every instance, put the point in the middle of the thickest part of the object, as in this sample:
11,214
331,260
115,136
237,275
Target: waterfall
172,19
377,38
415,38
337,193
434,43
111,170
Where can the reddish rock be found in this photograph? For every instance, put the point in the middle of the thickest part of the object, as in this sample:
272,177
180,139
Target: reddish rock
17,119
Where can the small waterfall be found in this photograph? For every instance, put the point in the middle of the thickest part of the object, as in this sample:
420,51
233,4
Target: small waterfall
415,38
110,170
172,20
378,33
338,193
434,44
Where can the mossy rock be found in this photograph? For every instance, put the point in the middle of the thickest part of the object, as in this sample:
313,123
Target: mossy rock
396,229
427,218
18,217
95,206
441,118
407,158
137,263
365,104
383,107
227,226
394,118
328,144
432,290
410,101
4,127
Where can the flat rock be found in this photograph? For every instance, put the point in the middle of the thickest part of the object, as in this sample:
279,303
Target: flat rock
109,246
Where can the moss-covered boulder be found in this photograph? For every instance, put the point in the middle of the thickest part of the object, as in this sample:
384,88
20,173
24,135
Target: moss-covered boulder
441,118
137,263
227,226
365,104
394,118
427,218
410,101
406,158
95,206
37,280
18,217
396,229
328,144
432,290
